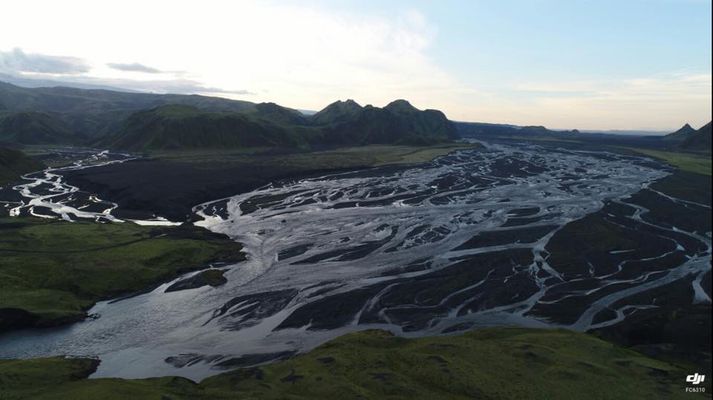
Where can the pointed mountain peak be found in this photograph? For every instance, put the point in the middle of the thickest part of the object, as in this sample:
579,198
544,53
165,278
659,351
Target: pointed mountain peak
338,111
685,129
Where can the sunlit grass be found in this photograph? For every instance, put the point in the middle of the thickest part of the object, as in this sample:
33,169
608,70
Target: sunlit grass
55,270
698,163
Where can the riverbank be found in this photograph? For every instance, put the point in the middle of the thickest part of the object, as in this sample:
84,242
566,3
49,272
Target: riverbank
491,363
54,271
170,183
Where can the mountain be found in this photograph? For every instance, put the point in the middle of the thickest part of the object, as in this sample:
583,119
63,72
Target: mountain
145,121
72,100
485,130
280,115
337,112
268,124
184,127
14,163
399,122
699,140
93,113
681,134
31,127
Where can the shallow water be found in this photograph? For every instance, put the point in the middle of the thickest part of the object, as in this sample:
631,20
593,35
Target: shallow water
454,244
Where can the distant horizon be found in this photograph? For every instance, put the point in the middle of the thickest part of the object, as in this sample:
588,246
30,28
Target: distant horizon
47,84
593,65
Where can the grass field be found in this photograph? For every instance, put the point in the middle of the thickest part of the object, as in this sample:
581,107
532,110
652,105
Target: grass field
494,363
55,270
345,157
697,163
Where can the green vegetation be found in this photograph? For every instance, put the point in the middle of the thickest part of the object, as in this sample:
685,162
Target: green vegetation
186,127
52,271
300,162
270,125
213,277
697,163
493,363
143,121
14,163
339,111
33,128
90,114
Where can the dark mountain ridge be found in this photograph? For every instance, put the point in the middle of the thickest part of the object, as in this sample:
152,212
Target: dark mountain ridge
684,132
93,113
144,121
699,140
268,124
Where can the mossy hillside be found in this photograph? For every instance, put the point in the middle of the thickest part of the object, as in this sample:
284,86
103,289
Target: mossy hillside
493,363
65,378
14,163
55,270
186,127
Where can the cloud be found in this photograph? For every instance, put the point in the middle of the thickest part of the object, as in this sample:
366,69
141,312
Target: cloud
134,67
301,54
17,61
178,86
307,54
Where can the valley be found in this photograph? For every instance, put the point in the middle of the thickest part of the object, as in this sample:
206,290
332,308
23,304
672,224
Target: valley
189,247
501,234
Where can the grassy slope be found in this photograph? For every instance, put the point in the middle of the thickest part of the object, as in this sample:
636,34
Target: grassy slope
696,163
186,127
14,163
494,363
56,270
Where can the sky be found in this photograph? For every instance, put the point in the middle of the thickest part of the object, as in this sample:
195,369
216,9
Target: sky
596,65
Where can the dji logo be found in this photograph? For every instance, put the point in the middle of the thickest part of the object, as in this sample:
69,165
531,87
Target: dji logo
695,379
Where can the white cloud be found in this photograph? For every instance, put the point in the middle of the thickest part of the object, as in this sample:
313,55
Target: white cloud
17,61
135,67
306,57
302,57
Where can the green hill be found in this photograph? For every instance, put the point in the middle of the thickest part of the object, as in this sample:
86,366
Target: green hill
337,112
14,163
397,123
493,363
279,115
268,124
145,121
32,127
186,127
92,113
